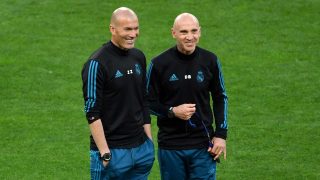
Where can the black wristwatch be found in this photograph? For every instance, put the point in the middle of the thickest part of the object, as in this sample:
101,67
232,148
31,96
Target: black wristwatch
106,157
171,113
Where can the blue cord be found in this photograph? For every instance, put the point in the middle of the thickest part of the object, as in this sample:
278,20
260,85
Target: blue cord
191,124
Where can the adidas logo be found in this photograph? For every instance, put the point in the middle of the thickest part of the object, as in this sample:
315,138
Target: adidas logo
118,74
173,78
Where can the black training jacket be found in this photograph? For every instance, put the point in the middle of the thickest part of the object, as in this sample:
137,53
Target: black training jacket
114,91
175,79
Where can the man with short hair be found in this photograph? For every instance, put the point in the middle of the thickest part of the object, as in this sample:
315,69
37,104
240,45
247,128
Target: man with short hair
180,81
116,106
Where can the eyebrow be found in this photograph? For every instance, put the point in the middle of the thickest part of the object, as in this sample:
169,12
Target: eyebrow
185,31
131,28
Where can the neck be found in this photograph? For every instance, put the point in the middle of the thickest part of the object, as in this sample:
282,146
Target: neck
118,45
185,52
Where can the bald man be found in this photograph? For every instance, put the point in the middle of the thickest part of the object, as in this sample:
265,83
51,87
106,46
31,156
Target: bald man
114,94
180,82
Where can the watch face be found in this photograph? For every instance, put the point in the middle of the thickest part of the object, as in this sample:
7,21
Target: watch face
170,113
106,157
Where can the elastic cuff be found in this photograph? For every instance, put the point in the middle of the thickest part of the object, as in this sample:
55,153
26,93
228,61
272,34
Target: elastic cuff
92,119
222,135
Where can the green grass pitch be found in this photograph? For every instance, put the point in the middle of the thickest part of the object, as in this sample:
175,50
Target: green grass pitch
269,52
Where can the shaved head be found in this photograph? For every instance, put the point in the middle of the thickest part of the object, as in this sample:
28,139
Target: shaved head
185,17
186,31
124,28
122,13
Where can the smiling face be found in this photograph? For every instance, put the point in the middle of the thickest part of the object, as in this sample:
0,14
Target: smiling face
124,28
186,31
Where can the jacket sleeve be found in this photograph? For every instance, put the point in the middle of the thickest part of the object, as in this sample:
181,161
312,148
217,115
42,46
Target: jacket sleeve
220,101
92,79
153,86
146,114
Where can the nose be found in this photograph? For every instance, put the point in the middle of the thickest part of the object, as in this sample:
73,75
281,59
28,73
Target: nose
134,33
189,36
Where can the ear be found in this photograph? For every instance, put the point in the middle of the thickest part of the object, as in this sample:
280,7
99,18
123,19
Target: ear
173,33
199,31
112,29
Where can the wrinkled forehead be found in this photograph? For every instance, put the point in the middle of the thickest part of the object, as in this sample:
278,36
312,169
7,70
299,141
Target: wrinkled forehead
185,21
186,24
128,22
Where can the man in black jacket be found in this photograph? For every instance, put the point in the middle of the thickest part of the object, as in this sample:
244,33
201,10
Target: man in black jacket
116,106
180,81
